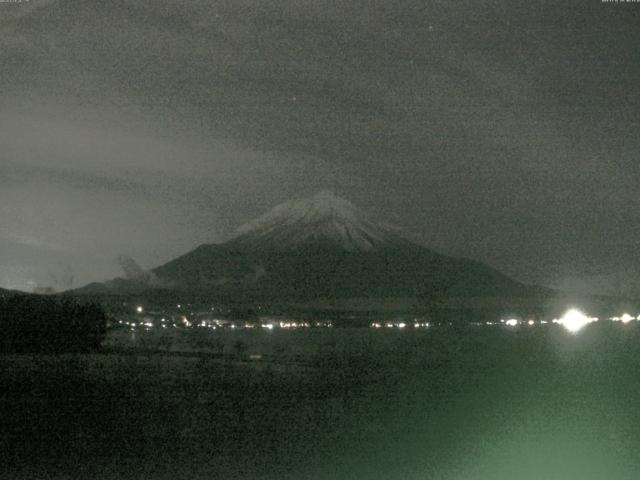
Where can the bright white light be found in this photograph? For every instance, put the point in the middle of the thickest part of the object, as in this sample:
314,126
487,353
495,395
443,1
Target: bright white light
139,309
531,322
626,318
402,325
574,320
512,322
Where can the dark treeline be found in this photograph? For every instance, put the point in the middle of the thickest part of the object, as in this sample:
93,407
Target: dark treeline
33,324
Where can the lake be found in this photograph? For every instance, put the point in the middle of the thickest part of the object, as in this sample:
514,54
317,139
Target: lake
485,403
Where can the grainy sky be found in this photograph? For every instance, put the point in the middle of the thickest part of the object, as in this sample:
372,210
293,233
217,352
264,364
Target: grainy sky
506,131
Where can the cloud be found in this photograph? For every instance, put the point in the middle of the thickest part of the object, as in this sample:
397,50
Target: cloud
13,174
484,128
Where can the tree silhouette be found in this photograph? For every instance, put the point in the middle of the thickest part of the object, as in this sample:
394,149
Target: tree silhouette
33,323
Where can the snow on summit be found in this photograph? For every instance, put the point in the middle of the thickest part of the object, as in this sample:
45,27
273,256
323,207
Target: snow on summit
324,217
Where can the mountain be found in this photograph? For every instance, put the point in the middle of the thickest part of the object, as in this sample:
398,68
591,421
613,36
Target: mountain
323,218
325,248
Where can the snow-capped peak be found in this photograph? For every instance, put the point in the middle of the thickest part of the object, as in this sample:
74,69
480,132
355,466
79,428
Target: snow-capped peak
323,217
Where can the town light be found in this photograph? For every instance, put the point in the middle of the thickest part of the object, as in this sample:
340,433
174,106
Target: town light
626,318
574,320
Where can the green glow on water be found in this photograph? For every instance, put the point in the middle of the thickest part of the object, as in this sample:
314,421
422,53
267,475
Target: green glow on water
492,404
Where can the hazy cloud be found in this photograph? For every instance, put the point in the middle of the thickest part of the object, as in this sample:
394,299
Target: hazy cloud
504,131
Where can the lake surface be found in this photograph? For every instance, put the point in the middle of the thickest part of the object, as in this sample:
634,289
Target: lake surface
486,403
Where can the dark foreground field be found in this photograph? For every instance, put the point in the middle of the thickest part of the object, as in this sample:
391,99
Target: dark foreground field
486,404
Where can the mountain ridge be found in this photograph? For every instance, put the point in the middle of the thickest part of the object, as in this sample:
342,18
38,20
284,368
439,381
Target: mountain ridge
321,247
323,218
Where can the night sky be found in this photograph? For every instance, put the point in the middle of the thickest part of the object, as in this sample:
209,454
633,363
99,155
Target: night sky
505,131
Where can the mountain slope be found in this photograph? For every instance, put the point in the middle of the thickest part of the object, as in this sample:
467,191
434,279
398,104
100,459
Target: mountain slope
323,218
323,247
